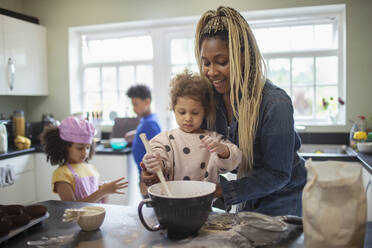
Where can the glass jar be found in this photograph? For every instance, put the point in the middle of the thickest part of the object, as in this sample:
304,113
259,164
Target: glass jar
19,123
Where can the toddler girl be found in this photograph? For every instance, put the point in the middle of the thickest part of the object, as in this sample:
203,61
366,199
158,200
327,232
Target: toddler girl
70,145
189,152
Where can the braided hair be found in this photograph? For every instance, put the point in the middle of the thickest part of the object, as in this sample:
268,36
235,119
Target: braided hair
247,72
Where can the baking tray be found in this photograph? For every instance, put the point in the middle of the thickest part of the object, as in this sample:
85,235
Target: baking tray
18,230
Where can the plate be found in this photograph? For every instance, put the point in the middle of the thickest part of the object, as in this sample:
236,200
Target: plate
18,230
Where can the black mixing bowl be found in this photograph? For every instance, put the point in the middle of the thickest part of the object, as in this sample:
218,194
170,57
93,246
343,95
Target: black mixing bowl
184,213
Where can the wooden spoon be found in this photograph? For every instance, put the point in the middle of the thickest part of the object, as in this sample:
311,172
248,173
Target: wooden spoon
159,172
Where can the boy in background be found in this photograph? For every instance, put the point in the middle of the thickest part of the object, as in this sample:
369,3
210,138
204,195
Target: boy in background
140,96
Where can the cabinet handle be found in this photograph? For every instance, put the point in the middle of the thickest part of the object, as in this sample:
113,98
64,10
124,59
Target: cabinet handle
11,73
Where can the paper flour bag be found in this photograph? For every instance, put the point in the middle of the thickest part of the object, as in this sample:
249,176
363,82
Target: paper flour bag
334,205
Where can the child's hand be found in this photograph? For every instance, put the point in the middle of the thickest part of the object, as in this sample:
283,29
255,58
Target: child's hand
212,145
152,162
114,186
129,136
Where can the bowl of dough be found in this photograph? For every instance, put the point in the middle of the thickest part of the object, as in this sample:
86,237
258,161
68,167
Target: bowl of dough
91,218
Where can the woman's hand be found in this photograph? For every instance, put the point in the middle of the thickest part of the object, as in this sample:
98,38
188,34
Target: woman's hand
114,186
152,162
212,145
147,179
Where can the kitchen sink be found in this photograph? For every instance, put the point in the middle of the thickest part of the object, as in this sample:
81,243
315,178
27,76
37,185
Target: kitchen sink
327,152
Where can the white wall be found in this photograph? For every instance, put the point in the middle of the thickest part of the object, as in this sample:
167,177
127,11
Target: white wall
59,15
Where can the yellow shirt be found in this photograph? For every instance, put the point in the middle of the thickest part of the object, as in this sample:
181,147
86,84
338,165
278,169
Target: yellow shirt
63,174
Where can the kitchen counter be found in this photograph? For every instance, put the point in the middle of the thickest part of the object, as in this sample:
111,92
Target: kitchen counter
121,228
366,159
12,152
100,149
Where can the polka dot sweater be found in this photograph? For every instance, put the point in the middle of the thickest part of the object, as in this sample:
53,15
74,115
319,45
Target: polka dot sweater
184,159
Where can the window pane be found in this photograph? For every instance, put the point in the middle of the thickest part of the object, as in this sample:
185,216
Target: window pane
194,68
91,79
279,71
126,108
263,39
330,96
123,49
109,50
323,36
110,101
288,90
302,37
279,39
136,48
178,69
126,77
144,75
302,70
92,101
303,101
109,78
94,51
182,51
326,70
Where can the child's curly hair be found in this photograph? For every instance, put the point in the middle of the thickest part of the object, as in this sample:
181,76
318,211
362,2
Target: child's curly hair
188,84
56,149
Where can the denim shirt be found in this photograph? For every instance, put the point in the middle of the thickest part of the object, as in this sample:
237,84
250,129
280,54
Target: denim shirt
275,184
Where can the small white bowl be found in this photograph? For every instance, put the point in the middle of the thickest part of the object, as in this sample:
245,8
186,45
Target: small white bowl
92,218
365,147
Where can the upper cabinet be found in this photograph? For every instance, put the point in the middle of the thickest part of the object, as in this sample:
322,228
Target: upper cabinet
23,60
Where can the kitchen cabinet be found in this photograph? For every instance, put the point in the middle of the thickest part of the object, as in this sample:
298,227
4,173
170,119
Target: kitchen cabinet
23,190
44,171
23,59
367,182
112,167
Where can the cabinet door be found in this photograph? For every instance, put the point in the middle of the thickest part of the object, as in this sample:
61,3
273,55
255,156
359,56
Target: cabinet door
44,171
23,190
4,86
112,167
367,182
25,49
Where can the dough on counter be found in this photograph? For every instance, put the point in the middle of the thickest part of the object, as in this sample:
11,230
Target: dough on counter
5,226
13,209
35,211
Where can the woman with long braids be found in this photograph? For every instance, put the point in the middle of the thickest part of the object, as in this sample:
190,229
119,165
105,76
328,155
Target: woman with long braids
254,114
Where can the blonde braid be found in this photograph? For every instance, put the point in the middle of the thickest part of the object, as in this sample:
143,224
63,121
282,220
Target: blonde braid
246,84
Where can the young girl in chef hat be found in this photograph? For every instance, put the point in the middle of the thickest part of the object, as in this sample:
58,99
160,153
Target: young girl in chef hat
70,145
190,152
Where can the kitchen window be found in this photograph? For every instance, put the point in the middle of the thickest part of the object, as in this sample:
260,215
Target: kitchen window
305,57
110,67
303,48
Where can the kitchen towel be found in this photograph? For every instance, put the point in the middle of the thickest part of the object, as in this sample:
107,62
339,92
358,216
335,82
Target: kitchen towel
7,176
